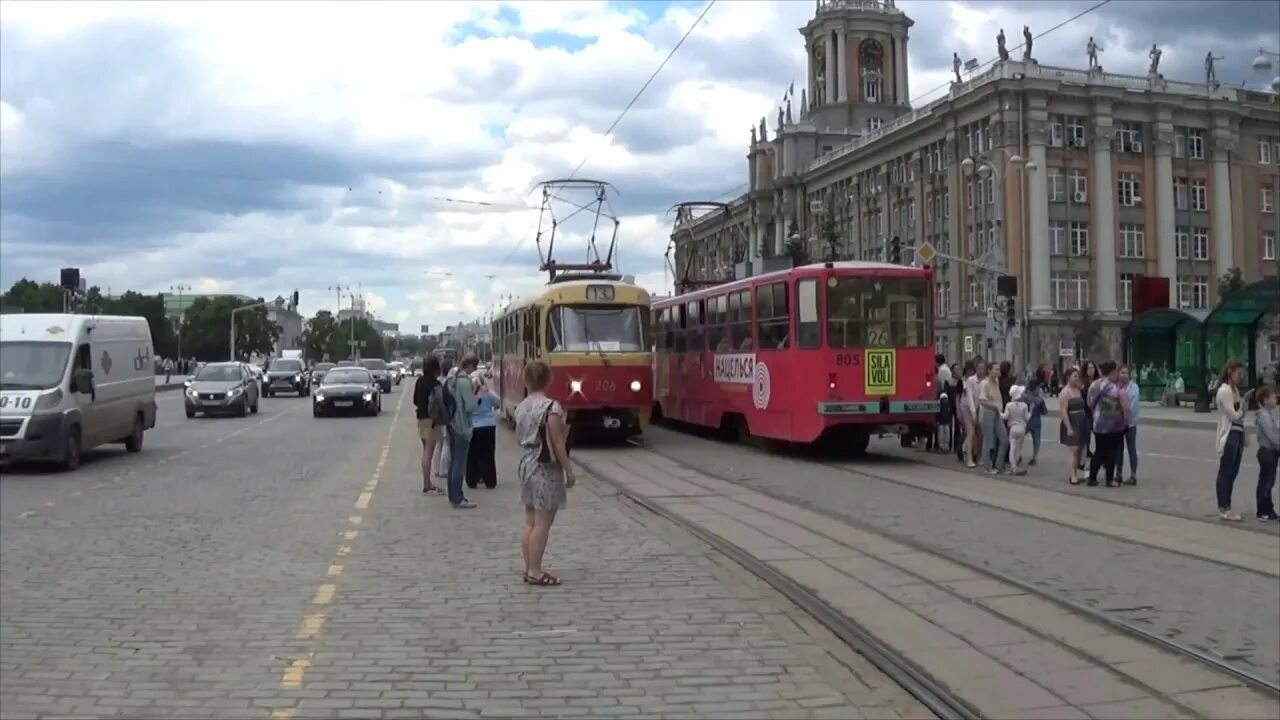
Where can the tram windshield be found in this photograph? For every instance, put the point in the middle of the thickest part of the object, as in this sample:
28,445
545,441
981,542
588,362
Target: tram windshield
878,312
597,329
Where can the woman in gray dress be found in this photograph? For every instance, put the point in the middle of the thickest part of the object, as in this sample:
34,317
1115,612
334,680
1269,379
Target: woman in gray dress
543,484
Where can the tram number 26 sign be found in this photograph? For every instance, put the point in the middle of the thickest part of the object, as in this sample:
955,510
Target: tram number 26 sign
882,372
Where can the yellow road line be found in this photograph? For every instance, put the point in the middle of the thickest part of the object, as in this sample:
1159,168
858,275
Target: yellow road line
355,519
350,534
297,671
312,625
362,503
282,714
324,594
335,570
344,551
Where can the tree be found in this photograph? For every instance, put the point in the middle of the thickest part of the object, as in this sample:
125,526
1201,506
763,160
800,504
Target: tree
135,304
317,335
206,329
1230,283
798,250
33,297
339,346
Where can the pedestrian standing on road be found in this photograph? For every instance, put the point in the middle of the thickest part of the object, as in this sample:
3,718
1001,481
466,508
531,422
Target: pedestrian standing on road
1130,387
1110,406
995,437
975,374
1090,376
481,467
1034,397
168,371
1268,425
1073,412
1230,437
1017,414
459,430
447,370
941,379
955,391
427,430
544,470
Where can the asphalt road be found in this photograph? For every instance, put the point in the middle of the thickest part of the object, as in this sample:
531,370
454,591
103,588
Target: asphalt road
283,566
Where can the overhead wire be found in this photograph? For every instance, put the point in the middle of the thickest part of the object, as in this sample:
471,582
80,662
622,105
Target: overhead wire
634,99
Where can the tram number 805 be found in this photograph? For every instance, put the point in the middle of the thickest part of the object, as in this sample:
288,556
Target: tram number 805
847,360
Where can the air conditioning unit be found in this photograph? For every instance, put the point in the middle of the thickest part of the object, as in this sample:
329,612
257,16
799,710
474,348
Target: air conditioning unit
1081,197
1135,146
815,206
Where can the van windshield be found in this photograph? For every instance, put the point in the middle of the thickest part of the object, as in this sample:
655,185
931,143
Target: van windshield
32,365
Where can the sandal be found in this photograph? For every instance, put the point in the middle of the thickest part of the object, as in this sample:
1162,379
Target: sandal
544,580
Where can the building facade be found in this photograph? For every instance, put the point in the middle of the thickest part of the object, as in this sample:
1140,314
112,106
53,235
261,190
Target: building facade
1072,181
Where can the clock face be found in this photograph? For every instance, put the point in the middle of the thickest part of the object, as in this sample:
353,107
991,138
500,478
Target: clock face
872,53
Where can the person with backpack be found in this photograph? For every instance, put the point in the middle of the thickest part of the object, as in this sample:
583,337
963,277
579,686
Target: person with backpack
452,406
428,431
447,370
1110,405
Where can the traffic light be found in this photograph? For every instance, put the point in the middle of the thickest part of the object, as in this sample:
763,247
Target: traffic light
293,301
1010,312
895,250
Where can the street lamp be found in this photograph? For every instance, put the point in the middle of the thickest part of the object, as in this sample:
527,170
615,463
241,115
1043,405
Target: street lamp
179,289
988,171
1263,64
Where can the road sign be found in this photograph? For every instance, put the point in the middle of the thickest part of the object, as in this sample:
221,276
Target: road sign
925,253
968,344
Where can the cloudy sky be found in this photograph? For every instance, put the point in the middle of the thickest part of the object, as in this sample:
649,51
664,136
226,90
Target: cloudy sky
260,148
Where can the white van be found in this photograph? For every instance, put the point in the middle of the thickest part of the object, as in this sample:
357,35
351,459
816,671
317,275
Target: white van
69,383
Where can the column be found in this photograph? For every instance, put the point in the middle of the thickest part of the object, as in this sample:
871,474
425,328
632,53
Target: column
1166,224
831,68
842,65
900,72
1038,217
1223,248
1102,190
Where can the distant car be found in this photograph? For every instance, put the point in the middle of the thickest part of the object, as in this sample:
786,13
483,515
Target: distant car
397,370
348,363
347,388
318,372
259,377
377,367
218,388
287,375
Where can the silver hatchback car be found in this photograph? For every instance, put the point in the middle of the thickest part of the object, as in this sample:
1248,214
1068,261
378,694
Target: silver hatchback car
221,388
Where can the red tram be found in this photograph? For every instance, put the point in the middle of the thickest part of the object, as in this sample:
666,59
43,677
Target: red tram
830,352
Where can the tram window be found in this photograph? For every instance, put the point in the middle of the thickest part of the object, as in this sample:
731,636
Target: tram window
878,312
681,333
717,316
740,321
773,321
808,325
697,333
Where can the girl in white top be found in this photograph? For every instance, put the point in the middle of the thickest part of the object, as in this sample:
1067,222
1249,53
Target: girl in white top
1230,439
1017,414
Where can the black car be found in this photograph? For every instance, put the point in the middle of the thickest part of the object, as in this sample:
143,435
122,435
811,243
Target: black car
380,371
287,375
347,389
318,372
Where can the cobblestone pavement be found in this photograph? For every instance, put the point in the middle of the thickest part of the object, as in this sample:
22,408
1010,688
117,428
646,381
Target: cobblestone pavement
1209,605
1176,470
282,566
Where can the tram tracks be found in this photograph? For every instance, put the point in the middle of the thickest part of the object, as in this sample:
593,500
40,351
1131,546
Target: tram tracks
900,667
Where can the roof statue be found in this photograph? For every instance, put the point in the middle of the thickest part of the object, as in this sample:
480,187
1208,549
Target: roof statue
1210,70
955,66
1027,40
1093,49
1155,59
1000,46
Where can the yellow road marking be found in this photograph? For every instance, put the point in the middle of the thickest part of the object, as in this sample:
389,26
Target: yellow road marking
335,570
344,550
282,714
312,625
351,534
355,519
362,503
27,514
324,594
297,670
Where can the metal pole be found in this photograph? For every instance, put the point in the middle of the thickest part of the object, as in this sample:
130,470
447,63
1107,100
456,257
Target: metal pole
233,335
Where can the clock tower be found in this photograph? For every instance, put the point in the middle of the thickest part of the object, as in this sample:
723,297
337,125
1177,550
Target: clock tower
857,50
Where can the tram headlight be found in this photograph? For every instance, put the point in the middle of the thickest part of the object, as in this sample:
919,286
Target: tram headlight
635,386
575,385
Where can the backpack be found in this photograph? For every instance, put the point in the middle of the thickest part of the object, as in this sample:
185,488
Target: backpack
441,406
1109,403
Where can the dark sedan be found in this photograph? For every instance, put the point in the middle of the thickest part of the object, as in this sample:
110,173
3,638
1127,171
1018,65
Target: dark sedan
318,372
347,389
287,375
222,388
380,371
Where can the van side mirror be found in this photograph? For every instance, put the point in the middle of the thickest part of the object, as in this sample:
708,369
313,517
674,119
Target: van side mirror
82,381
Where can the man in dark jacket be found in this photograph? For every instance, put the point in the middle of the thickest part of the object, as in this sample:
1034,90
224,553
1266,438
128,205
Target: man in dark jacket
427,430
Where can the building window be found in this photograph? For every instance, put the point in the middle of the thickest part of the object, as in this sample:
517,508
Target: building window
1079,186
1200,243
1130,136
1067,131
1129,189
1199,195
968,193
1195,143
1070,290
1126,291
871,88
946,204
1193,292
827,148
1058,286
1264,151
1181,196
1180,143
1268,200
1057,238
1079,239
1269,245
1182,243
873,123
991,191
1132,242
1057,185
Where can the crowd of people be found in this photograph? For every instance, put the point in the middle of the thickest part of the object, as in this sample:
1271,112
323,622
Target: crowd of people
987,415
457,411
